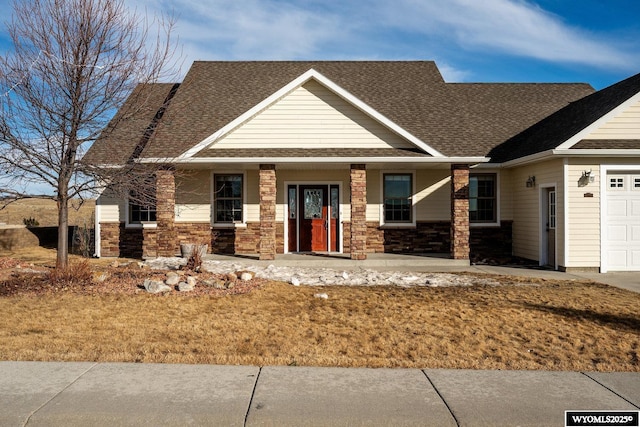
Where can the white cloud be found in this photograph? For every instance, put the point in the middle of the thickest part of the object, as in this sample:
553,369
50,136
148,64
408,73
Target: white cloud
296,29
514,27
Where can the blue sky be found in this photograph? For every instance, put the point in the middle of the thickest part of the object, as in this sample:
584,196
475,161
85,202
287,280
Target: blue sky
591,41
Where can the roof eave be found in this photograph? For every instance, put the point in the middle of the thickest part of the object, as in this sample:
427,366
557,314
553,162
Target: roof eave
307,160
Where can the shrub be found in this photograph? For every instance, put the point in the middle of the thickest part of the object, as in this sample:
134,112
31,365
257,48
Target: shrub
194,263
30,222
76,274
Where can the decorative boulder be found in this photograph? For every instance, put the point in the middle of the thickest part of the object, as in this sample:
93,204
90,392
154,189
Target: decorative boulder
172,278
246,276
186,287
156,287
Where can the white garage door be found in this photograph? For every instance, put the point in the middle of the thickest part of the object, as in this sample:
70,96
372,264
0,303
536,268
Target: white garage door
623,221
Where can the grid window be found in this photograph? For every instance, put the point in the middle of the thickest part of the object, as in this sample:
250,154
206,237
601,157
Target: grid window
228,198
482,197
139,212
397,197
616,182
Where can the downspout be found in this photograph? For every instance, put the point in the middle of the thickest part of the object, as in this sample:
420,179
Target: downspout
97,229
565,212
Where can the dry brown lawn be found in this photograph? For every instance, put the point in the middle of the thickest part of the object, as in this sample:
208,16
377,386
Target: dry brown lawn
521,324
45,212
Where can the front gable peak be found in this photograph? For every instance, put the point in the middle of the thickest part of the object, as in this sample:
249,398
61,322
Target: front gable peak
311,76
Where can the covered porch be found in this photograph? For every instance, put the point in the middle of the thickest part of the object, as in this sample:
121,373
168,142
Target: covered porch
272,232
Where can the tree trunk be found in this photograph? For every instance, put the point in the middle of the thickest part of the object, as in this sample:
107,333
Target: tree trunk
62,258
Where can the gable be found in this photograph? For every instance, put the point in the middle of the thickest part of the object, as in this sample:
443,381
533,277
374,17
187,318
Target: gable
623,126
311,116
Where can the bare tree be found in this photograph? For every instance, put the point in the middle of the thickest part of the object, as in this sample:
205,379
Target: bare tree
73,64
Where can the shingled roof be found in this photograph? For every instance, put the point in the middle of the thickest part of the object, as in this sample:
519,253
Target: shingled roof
554,130
127,134
466,120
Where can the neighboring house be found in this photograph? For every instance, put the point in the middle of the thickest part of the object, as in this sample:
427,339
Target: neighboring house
361,157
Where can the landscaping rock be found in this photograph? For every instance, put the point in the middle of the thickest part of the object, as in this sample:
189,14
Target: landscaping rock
172,278
191,281
156,286
232,277
321,296
295,281
246,276
230,284
186,287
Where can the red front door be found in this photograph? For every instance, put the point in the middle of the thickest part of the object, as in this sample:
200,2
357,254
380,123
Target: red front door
314,218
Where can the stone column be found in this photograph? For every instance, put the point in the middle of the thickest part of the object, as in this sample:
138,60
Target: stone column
165,212
460,211
267,212
358,211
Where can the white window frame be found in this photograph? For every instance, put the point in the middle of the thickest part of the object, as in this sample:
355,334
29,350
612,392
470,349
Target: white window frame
241,224
481,171
394,224
142,224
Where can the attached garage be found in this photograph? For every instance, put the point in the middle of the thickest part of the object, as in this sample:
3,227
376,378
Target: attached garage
621,221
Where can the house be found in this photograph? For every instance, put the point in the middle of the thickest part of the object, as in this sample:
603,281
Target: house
359,157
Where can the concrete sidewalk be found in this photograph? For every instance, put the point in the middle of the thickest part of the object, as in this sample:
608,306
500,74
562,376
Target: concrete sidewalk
91,394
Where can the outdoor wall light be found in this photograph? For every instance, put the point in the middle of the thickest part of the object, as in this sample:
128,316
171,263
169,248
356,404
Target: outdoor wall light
531,181
586,178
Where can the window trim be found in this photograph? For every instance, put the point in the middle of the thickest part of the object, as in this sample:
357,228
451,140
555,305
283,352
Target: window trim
497,198
395,224
238,224
141,224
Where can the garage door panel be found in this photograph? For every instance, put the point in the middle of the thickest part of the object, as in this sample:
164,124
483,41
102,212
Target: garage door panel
617,208
622,222
617,259
617,233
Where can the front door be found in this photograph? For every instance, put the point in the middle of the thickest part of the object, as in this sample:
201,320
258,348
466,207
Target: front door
313,222
313,217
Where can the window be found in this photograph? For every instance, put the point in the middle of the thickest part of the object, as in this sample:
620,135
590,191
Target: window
552,210
398,190
227,198
482,198
616,183
141,209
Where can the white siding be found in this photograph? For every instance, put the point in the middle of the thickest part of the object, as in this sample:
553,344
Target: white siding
433,195
584,215
526,207
625,125
374,195
252,187
193,196
111,208
312,116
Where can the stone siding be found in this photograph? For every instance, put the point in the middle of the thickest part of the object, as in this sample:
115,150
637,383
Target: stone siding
460,211
165,212
492,242
267,191
358,235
